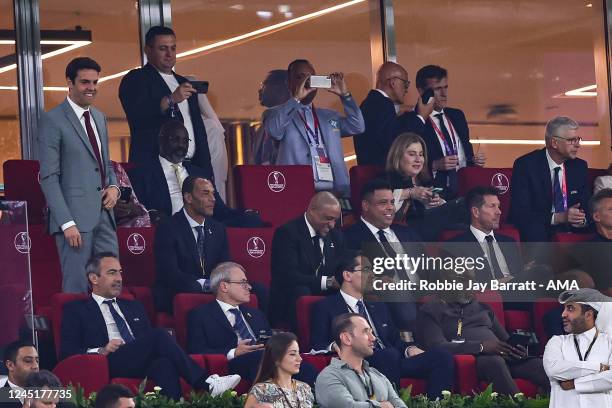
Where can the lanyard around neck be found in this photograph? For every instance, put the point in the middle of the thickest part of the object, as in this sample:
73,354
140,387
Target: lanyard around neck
586,355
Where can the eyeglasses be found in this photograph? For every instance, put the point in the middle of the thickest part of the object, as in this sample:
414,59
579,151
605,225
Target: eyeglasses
573,141
405,81
244,283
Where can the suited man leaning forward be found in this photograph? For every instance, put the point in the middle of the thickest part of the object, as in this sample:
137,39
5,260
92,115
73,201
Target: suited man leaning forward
312,136
188,245
304,252
550,191
392,356
76,175
119,329
227,326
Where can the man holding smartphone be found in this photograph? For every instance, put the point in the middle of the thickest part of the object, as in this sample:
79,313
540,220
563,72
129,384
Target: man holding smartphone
155,94
446,134
312,136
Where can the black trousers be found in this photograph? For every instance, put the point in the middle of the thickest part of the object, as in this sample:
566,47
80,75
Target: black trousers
157,356
500,373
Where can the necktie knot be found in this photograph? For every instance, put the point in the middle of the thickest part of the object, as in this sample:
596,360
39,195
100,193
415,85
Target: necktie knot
440,116
86,114
381,235
489,238
109,302
199,229
557,170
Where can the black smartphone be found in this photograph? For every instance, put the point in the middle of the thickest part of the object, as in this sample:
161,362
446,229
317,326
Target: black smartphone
426,95
519,339
126,192
200,86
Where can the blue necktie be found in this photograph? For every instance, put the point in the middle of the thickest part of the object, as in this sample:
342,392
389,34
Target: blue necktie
200,245
557,193
362,311
122,326
240,326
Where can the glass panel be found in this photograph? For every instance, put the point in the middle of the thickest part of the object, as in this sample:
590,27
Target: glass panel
514,72
113,32
15,290
336,37
10,143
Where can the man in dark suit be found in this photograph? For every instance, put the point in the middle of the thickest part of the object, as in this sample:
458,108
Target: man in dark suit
304,252
157,184
392,356
76,175
446,133
153,94
501,253
227,326
549,190
21,359
120,330
378,237
188,245
386,116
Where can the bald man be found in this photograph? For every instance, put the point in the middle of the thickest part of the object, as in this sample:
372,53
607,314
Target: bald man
304,252
386,115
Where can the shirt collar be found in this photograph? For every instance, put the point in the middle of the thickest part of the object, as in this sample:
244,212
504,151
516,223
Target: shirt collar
336,362
375,230
76,108
480,236
552,164
588,335
226,306
167,163
435,112
310,229
193,223
99,299
12,385
383,93
350,300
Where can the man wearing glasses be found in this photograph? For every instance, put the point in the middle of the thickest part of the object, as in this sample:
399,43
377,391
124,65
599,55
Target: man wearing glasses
227,326
386,116
550,191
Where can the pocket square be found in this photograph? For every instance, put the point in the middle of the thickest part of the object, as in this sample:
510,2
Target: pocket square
573,192
384,325
136,319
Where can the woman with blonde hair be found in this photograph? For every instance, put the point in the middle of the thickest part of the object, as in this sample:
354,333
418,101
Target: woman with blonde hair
274,386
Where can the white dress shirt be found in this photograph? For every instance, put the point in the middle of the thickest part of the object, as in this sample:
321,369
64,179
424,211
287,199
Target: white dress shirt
174,187
460,150
561,362
111,325
501,259
551,166
312,232
183,106
79,111
226,307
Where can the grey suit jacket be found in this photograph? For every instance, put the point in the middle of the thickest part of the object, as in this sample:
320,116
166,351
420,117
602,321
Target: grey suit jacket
284,124
69,174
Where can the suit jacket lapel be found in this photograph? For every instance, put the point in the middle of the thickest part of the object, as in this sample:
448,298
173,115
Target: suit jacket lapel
160,185
96,317
304,234
299,125
218,315
78,128
189,239
99,122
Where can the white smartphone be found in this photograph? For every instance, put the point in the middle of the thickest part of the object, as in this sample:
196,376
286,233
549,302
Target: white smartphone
320,81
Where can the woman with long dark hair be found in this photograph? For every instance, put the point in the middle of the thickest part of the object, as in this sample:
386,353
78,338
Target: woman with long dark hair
274,386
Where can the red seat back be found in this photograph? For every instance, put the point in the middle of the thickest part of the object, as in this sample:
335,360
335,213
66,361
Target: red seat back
540,308
304,306
360,175
495,301
499,178
136,255
21,183
45,267
252,248
184,303
569,237
280,193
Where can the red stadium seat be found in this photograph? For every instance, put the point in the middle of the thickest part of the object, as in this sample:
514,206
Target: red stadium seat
570,237
303,307
518,320
280,193
359,176
495,301
90,371
540,308
184,303
252,248
499,178
136,254
45,267
21,183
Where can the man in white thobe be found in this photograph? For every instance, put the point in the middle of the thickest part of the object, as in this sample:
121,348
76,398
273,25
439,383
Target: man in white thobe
578,363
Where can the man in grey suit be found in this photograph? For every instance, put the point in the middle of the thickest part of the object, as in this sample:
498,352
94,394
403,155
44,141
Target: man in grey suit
310,135
76,175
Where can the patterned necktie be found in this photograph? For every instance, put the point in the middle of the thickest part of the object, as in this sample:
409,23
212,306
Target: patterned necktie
122,326
497,273
361,309
176,167
240,327
201,246
453,181
559,202
94,145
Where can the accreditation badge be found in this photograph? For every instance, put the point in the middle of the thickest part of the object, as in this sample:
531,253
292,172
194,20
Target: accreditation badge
323,165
